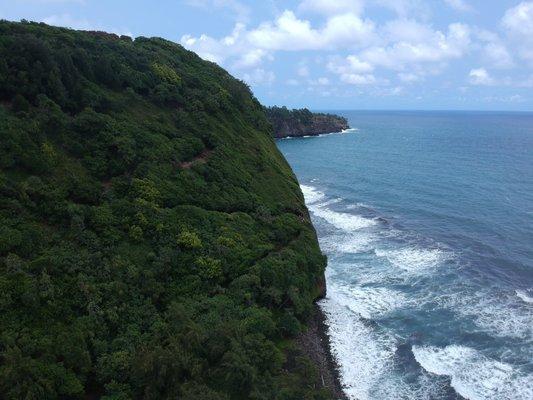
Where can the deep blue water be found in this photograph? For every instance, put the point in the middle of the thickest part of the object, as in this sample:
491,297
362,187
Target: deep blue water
427,221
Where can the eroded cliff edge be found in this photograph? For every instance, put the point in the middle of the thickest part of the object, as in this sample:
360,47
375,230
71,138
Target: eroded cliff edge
302,122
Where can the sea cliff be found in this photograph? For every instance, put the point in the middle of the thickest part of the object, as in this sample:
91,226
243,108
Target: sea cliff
302,122
154,243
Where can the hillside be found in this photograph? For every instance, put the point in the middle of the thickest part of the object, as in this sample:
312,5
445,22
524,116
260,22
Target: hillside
154,243
303,122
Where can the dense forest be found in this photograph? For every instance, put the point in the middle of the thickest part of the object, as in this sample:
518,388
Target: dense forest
302,122
154,244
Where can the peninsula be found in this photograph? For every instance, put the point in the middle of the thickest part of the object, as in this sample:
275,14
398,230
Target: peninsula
302,122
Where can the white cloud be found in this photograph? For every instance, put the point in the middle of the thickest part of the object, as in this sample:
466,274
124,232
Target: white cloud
289,33
259,76
430,48
322,81
514,98
66,20
518,21
480,76
252,58
220,50
407,30
331,7
498,54
303,71
459,5
409,77
350,64
359,79
286,33
352,70
411,49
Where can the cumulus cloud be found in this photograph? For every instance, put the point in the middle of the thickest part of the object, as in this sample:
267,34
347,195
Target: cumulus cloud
248,48
350,64
329,7
259,76
359,79
480,76
495,50
367,51
498,54
288,32
433,47
518,22
409,77
407,30
519,19
459,5
219,50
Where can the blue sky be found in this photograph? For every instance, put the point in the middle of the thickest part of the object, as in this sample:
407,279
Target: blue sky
336,54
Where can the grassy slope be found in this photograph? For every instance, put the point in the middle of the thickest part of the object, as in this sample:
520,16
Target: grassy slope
153,241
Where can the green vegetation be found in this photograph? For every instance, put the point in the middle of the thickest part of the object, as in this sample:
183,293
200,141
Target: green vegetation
301,122
154,244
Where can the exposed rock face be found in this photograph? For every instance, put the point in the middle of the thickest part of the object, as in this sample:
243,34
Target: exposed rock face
303,122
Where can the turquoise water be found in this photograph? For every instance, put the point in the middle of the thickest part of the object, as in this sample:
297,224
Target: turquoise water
427,221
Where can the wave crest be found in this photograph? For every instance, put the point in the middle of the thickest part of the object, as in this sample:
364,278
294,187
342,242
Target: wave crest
473,375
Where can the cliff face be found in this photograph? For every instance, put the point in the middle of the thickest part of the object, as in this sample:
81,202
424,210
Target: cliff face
302,122
154,243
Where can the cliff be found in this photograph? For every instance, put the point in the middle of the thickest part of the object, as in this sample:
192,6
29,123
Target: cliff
154,243
303,122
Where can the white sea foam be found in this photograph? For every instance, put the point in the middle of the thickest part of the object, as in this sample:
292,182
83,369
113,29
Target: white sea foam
363,357
373,302
413,259
311,194
366,357
473,375
347,243
524,296
501,314
350,130
344,221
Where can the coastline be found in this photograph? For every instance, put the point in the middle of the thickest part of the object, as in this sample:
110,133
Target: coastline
347,130
314,342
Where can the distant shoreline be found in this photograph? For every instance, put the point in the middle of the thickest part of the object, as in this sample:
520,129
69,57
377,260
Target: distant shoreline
347,130
302,122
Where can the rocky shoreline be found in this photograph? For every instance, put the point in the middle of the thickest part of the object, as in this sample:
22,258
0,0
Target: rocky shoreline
314,343
302,122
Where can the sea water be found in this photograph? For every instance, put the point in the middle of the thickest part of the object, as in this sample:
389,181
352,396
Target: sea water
427,222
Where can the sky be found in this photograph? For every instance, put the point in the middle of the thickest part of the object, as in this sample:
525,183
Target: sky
335,54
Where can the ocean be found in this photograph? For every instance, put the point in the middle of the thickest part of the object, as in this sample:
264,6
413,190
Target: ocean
427,222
